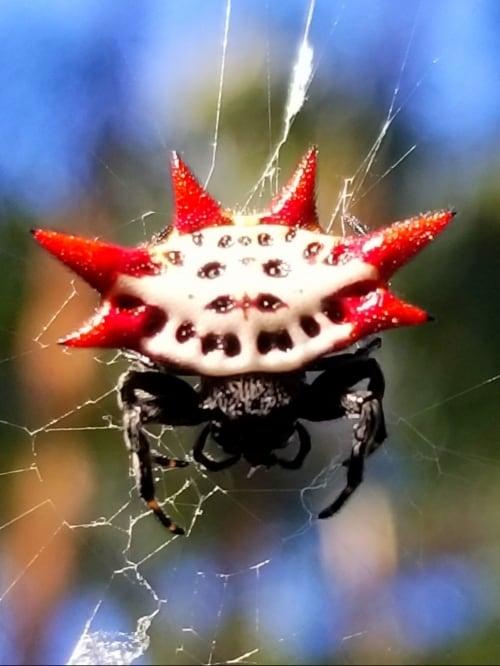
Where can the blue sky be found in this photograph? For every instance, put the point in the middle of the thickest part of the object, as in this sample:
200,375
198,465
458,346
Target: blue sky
76,74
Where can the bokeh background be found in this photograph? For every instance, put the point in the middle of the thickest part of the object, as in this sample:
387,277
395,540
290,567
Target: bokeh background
94,97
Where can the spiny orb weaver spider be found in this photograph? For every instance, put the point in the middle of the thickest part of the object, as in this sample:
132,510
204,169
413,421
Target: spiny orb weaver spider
249,303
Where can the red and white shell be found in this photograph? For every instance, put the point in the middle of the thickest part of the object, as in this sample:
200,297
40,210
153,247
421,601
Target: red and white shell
224,293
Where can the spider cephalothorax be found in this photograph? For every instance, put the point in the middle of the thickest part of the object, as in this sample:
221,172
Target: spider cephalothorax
248,302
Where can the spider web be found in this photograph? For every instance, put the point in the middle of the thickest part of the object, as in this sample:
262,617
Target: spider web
256,579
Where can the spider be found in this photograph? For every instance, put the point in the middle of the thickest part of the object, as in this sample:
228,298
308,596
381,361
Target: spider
249,303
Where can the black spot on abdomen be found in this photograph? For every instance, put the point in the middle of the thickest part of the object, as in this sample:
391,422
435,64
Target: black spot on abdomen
312,250
221,304
127,302
268,340
265,239
269,303
333,308
225,241
156,321
229,343
310,326
175,257
276,268
210,342
211,270
185,332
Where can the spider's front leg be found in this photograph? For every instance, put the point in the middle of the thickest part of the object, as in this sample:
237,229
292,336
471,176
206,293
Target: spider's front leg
154,397
332,396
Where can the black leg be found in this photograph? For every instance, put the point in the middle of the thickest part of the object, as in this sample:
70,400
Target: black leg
304,448
203,459
167,463
322,400
331,396
154,397
369,410
162,398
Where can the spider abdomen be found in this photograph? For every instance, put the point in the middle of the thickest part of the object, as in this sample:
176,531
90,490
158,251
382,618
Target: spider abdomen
226,293
247,307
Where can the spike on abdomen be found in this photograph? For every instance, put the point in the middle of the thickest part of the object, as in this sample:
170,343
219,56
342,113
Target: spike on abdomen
295,205
391,247
97,262
376,310
117,327
195,208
